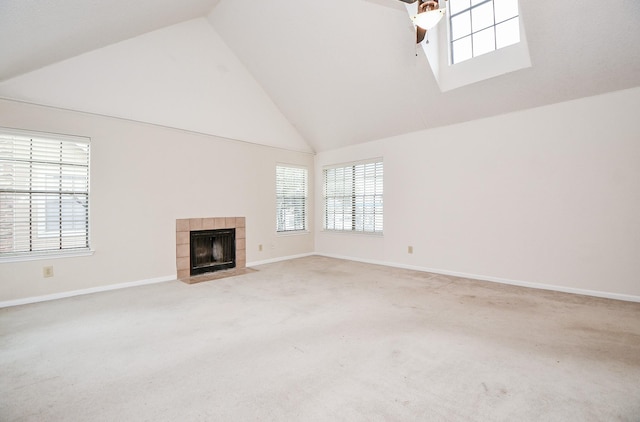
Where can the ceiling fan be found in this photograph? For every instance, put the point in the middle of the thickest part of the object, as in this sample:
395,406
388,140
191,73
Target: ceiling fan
428,15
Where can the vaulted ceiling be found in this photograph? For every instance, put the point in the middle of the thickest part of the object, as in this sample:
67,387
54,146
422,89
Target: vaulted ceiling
340,72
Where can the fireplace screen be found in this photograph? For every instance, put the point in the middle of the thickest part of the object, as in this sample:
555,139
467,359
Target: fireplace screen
212,250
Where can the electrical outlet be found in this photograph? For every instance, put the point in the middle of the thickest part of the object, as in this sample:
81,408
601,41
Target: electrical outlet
260,248
410,249
47,271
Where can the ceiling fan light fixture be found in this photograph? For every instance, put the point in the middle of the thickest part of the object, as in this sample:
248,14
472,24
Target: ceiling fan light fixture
428,19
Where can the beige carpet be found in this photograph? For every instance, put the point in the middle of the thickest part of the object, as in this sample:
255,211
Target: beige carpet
319,339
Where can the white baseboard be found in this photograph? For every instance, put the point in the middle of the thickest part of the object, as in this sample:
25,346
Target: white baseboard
62,295
542,286
54,296
595,293
282,258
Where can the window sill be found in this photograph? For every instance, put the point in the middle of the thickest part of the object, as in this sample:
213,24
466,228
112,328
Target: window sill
293,233
359,233
37,256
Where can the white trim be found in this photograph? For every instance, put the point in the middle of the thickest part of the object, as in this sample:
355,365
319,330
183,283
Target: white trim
595,293
48,135
297,166
62,295
293,233
529,284
372,160
282,258
356,232
38,256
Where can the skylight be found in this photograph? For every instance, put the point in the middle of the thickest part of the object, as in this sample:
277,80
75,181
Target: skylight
474,28
478,27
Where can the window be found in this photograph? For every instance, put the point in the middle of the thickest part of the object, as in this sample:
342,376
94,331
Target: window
44,193
291,199
353,197
481,26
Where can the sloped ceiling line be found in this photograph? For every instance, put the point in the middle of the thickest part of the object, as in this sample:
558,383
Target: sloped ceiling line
343,71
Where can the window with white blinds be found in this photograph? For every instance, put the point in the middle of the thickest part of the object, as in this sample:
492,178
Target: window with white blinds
44,193
291,199
353,196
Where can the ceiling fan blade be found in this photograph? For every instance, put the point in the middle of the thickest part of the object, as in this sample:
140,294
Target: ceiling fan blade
420,34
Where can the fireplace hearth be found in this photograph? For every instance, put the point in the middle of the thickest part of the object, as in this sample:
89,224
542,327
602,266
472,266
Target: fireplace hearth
216,254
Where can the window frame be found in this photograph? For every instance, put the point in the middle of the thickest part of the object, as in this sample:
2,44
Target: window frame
26,221
472,33
371,204
281,225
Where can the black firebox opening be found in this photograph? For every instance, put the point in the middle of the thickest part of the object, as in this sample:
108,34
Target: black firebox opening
212,250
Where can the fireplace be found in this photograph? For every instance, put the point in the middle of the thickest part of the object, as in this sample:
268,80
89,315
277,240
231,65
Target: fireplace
212,250
215,259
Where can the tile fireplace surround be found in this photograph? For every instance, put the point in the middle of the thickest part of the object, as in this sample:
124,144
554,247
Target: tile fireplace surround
186,225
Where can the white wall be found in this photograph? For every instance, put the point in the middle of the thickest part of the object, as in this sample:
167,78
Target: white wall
181,76
548,196
143,178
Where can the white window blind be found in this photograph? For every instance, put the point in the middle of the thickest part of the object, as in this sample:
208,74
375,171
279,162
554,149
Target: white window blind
353,197
291,199
44,193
